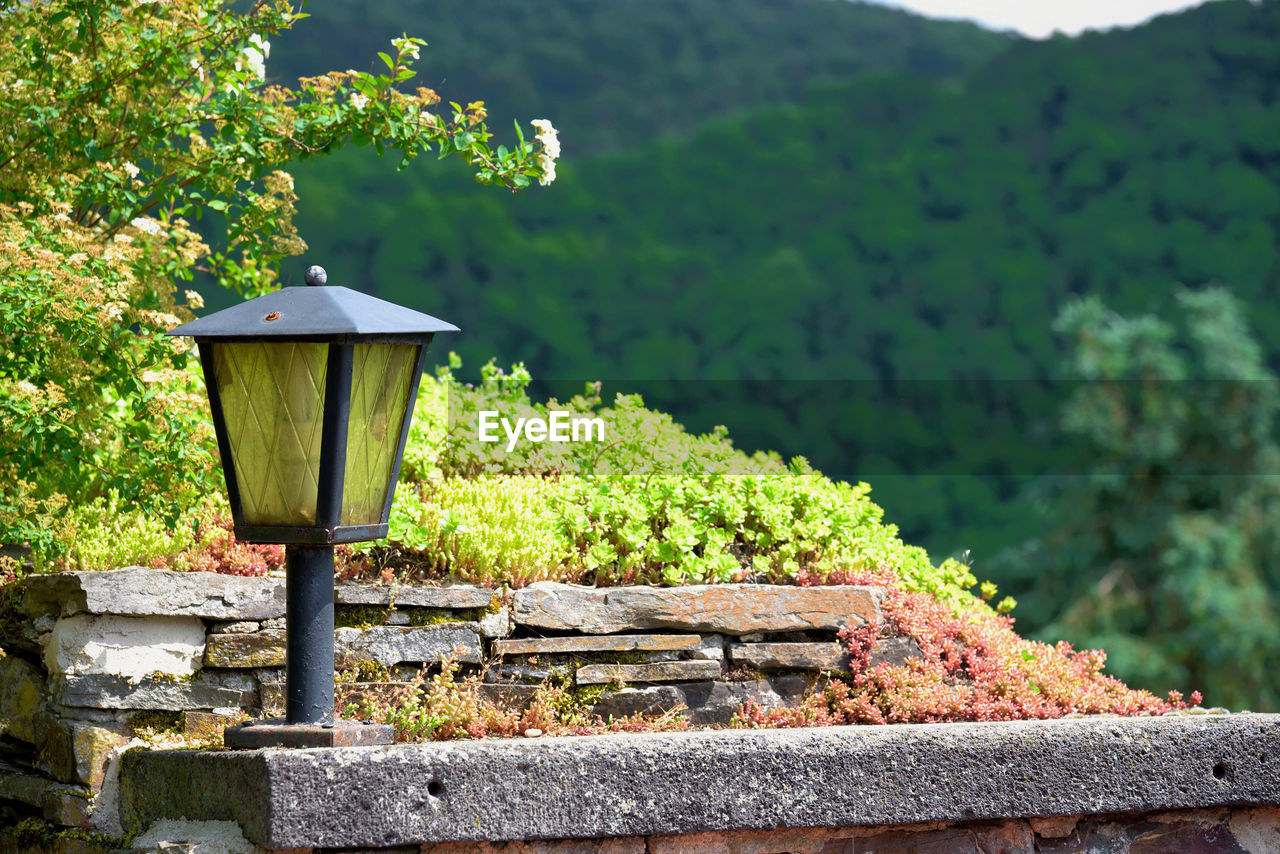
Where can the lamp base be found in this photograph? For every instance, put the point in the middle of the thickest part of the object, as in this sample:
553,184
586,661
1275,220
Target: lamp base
277,732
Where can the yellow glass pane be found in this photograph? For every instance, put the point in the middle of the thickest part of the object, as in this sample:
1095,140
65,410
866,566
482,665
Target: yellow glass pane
273,405
379,403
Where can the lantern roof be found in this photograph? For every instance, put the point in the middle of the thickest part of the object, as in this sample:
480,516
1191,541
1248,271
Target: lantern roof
316,311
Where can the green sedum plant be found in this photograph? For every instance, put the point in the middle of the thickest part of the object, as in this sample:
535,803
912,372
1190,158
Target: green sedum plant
652,505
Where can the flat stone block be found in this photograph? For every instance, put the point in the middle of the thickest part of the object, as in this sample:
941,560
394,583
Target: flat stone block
77,752
497,624
260,649
205,726
222,627
736,609
139,591
894,651
271,696
663,671
706,703
391,645
125,646
699,782
596,643
23,698
710,648
791,656
528,673
69,808
60,803
23,786
99,691
459,597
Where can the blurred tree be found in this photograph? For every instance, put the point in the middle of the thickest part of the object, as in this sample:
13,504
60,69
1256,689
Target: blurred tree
1167,552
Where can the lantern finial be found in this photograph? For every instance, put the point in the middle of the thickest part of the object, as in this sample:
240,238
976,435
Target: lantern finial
316,276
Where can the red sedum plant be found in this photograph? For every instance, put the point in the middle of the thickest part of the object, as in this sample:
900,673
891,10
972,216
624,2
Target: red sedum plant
972,666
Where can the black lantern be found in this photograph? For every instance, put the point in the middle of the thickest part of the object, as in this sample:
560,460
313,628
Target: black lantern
312,392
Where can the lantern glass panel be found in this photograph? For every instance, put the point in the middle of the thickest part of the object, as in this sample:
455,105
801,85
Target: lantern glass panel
380,381
272,396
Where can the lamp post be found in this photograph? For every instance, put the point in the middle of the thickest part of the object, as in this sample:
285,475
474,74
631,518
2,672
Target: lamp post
312,392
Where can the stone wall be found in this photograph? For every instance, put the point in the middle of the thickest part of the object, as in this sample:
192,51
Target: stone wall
93,656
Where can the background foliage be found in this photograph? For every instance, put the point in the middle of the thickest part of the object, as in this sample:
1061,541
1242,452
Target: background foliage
842,230
853,212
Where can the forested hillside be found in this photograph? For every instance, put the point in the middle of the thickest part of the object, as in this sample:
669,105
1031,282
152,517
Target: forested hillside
621,74
838,229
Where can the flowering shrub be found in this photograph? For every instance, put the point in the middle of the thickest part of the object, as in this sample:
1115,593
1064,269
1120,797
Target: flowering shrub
125,122
972,666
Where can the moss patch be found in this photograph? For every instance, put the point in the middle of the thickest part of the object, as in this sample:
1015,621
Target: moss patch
156,721
368,616
360,616
366,671
36,834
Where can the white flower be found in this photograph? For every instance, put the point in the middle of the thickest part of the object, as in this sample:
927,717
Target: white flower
196,67
255,56
548,136
194,300
145,224
405,47
131,170
358,101
548,166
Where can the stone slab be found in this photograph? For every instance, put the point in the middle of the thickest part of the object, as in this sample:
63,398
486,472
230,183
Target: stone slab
735,609
391,645
662,671
125,646
140,591
77,752
791,656
706,703
894,651
459,597
710,648
101,691
596,643
205,726
497,624
695,782
239,651
23,698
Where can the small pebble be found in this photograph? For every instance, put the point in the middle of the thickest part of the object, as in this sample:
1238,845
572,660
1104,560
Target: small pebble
532,732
